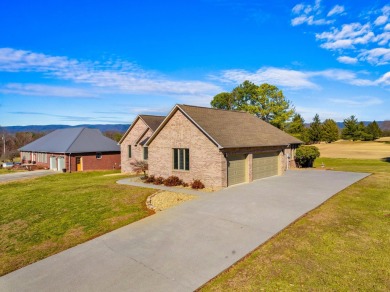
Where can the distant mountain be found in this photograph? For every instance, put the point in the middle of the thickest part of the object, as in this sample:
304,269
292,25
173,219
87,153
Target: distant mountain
49,128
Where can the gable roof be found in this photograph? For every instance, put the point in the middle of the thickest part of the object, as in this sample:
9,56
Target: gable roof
231,129
73,140
152,122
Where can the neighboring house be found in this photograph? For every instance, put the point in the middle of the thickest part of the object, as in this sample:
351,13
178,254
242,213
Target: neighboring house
219,147
134,139
73,149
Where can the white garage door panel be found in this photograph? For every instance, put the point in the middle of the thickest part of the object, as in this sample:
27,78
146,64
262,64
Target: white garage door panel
264,165
236,169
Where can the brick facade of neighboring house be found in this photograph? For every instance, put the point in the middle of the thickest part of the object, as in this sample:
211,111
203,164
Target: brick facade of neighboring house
88,161
73,149
135,137
218,147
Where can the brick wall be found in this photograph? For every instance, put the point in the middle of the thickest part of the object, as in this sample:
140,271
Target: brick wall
108,161
207,163
136,151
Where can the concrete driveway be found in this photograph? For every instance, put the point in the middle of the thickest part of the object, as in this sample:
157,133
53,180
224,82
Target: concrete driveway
24,175
182,248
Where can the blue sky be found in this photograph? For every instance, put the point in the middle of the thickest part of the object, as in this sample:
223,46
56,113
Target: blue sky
73,62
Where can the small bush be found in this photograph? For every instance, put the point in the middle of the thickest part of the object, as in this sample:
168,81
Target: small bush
173,181
184,184
306,155
159,180
150,179
197,184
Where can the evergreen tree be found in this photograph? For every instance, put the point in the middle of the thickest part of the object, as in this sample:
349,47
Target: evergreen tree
297,125
374,130
330,131
297,128
351,128
315,130
362,133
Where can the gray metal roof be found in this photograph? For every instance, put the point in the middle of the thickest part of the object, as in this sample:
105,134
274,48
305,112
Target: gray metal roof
73,140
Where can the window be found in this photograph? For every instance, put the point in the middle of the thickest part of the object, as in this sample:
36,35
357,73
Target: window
98,155
181,158
129,151
146,153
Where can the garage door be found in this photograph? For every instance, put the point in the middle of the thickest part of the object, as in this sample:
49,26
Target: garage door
236,169
264,165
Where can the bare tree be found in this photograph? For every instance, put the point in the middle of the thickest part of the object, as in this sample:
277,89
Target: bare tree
140,166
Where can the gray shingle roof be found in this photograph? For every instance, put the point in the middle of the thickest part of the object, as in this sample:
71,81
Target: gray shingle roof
152,121
73,140
234,129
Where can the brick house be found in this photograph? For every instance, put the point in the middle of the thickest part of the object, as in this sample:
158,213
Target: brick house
132,142
73,149
219,147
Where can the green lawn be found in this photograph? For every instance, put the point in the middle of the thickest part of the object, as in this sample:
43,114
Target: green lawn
7,170
44,216
341,246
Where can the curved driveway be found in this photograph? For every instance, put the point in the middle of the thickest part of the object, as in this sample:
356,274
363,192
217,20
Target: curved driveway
182,248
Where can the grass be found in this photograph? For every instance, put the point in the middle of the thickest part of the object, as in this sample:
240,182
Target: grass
8,170
44,216
355,150
341,246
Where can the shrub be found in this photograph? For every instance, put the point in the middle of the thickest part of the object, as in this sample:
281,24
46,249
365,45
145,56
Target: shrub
197,184
173,181
159,180
184,184
305,155
150,179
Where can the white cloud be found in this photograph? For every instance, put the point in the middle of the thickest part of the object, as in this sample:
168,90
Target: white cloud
124,77
359,102
338,9
298,8
385,79
347,60
281,77
46,90
309,14
366,41
383,38
350,34
377,56
295,80
381,20
339,44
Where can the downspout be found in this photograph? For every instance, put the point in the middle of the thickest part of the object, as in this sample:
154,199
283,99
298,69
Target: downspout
70,169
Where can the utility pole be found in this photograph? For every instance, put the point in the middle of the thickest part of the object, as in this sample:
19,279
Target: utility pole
3,138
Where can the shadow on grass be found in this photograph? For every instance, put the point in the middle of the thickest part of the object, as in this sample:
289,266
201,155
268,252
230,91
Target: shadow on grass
386,159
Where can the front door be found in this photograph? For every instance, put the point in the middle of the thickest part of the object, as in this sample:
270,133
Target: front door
79,163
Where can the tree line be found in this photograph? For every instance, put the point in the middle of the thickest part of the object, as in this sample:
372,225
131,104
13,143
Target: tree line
268,103
328,131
